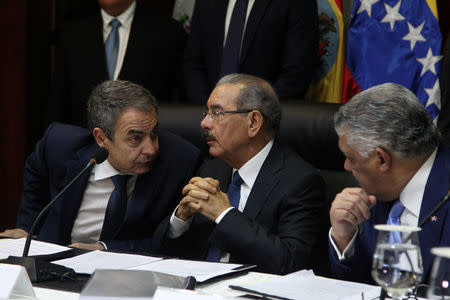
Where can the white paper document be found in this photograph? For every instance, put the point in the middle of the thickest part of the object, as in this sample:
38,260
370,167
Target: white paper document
87,263
305,285
165,293
201,270
14,247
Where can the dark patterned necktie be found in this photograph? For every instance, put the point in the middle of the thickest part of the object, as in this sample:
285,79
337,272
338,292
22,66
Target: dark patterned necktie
232,48
234,195
116,208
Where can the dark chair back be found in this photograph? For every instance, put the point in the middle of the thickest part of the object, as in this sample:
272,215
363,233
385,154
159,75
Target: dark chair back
306,127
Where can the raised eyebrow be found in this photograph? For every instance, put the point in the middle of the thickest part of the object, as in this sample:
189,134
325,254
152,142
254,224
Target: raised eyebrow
133,132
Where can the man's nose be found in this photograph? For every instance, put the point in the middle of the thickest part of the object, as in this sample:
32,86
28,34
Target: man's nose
150,146
347,165
206,122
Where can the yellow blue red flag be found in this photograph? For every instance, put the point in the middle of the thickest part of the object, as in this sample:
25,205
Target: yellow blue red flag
326,85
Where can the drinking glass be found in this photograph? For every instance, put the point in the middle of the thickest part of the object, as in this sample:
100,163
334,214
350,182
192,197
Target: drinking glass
440,274
397,262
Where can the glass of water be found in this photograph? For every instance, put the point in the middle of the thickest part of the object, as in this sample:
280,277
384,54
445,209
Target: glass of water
397,262
440,274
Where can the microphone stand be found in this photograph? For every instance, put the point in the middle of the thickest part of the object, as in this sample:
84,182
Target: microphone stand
383,293
39,270
26,249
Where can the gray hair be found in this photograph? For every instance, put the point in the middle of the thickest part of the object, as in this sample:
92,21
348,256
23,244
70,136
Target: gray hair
257,94
388,116
110,98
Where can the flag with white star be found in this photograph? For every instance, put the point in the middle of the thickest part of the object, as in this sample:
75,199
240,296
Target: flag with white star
395,41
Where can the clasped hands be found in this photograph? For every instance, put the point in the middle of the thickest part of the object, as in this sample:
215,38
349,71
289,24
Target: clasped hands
202,195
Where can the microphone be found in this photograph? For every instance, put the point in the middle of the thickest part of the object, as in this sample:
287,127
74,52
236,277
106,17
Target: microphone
434,210
42,270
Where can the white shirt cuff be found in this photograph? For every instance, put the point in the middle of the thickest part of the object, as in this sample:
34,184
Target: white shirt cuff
220,217
177,226
348,251
103,244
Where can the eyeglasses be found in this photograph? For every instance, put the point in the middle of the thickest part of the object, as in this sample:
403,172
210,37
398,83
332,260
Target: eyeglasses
217,114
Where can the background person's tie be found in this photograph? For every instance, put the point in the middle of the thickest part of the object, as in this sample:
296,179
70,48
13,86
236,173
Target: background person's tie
112,47
116,208
232,48
394,219
234,195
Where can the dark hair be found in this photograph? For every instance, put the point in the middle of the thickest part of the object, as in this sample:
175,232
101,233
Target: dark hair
388,116
256,93
108,100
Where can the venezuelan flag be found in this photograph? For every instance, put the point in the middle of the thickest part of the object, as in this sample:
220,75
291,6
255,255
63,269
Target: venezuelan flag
395,41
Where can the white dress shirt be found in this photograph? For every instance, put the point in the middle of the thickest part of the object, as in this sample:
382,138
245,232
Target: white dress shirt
248,172
411,197
89,221
230,8
126,18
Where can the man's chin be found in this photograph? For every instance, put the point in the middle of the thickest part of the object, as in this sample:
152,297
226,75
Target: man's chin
214,152
142,168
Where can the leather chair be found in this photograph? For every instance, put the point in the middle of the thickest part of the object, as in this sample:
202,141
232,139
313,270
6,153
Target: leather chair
306,127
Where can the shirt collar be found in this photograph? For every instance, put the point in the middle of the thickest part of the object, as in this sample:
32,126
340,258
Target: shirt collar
412,195
249,171
125,18
104,170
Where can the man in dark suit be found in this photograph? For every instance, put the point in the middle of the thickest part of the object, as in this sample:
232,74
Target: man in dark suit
149,53
393,149
279,44
123,119
274,211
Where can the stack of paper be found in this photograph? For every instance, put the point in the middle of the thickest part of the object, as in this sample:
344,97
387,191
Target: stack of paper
305,285
89,262
12,247
201,270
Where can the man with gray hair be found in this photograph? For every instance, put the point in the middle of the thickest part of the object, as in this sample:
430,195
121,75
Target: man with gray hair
274,210
394,150
119,203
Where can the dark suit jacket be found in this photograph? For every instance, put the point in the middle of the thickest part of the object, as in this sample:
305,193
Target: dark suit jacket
65,150
433,234
279,45
153,59
279,227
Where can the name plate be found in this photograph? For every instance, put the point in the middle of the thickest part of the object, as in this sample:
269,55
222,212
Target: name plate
15,283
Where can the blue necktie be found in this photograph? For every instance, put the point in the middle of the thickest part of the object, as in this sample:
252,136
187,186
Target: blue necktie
232,48
112,47
116,208
234,195
394,219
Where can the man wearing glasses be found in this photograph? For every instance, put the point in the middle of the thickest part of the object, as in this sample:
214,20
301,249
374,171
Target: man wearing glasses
254,202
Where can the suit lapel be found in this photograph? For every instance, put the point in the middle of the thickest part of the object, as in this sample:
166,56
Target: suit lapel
436,188
255,17
145,191
218,11
265,182
71,199
97,58
131,52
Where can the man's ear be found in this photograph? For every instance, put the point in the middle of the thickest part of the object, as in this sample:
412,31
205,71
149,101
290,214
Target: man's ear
100,137
255,122
384,159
